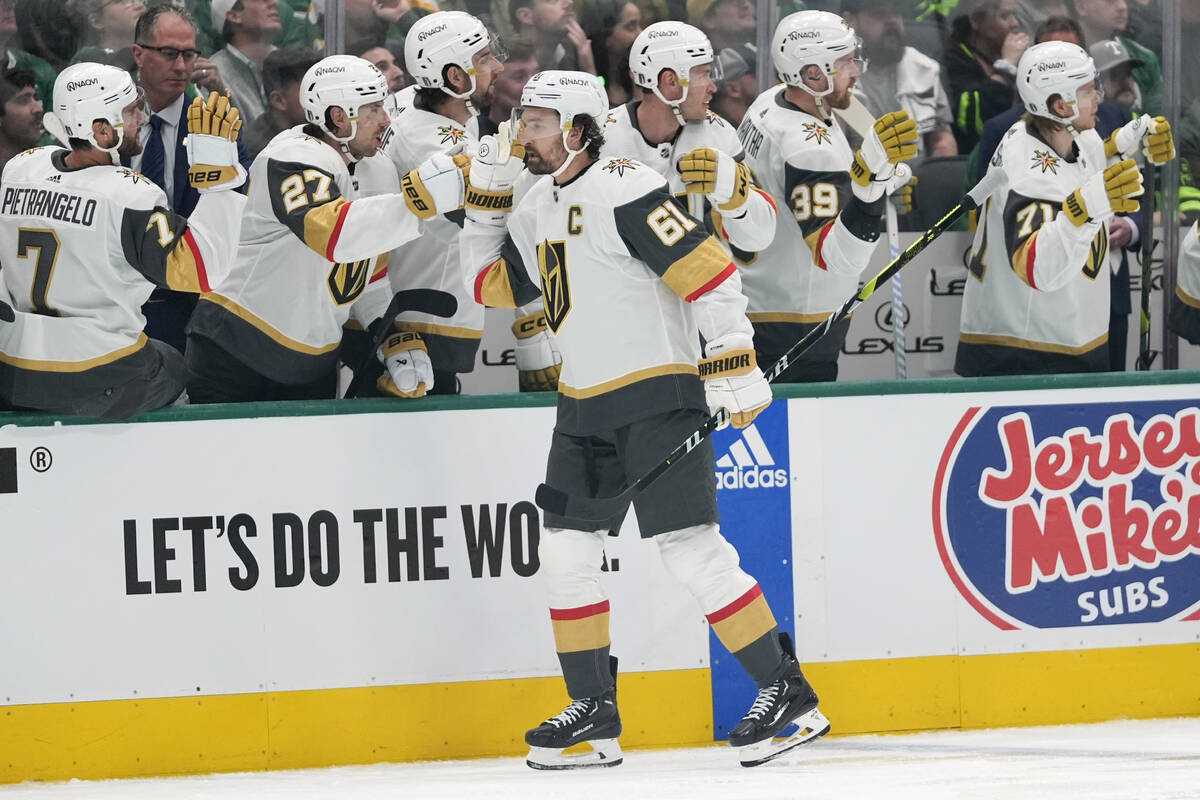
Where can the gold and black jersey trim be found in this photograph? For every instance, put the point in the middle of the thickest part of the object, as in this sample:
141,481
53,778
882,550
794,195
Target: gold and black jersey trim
41,365
627,399
505,283
1031,344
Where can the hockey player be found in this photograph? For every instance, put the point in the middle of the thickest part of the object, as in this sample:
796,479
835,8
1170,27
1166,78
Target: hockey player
835,196
1037,299
1185,308
630,283
84,241
453,60
309,255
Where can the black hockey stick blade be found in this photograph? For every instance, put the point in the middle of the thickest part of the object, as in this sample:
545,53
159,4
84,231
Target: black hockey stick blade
6,312
595,509
427,301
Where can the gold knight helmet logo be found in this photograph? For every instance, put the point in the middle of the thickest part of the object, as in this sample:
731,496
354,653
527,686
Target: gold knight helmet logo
556,292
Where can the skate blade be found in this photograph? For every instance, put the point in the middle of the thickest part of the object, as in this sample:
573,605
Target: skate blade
812,726
604,753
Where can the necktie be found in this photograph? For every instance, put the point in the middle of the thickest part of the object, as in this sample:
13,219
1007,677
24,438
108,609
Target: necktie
154,158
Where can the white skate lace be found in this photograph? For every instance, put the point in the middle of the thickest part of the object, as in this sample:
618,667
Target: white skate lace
570,714
764,701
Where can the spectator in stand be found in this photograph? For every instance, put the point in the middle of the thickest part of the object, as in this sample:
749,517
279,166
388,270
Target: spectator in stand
1116,66
48,30
738,85
249,29
380,20
519,68
980,64
611,27
382,57
20,113
107,31
1106,19
900,75
557,36
281,72
726,23
19,59
168,63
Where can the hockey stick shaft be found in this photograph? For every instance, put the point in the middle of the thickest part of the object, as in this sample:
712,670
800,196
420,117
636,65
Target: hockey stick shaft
593,509
427,301
898,343
1145,352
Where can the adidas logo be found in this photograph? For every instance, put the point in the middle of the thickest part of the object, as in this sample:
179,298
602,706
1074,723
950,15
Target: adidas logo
748,464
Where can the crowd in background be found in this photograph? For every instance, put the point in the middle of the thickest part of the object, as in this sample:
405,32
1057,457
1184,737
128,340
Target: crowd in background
951,64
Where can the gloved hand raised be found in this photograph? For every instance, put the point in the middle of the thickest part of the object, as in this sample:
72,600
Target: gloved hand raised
1105,194
732,379
494,169
1152,135
409,371
892,139
437,186
710,172
213,127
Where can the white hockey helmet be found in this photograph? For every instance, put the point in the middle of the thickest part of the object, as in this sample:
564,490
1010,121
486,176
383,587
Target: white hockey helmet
813,37
570,94
676,46
1053,68
86,92
347,82
441,39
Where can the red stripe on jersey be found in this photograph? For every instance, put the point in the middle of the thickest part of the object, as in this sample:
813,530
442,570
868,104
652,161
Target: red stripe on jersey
821,246
337,230
768,198
736,606
381,274
201,272
1029,261
480,278
582,612
714,283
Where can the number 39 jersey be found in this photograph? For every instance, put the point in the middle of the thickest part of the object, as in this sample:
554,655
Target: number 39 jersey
1037,292
309,255
82,249
629,282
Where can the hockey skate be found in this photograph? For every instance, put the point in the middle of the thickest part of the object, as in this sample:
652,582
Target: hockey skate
594,720
789,701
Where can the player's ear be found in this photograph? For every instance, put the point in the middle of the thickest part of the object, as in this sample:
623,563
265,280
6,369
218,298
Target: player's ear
277,100
814,77
457,78
340,120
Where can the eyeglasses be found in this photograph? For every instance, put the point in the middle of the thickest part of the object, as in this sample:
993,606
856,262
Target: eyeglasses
172,53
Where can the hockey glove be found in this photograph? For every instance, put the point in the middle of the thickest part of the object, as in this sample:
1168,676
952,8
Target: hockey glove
538,363
1152,134
437,186
733,381
1105,194
213,127
494,170
901,190
409,371
891,140
710,172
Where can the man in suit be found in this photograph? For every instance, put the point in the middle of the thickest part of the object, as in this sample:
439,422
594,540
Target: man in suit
168,64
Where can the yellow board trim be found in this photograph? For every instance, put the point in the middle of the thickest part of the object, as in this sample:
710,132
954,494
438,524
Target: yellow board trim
626,380
1029,344
264,326
291,730
74,366
453,331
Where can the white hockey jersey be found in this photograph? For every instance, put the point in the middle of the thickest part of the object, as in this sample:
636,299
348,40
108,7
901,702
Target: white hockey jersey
82,249
432,260
312,251
629,282
1037,294
751,229
1184,317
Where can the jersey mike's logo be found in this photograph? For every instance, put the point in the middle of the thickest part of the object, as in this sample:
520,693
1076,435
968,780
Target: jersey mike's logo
556,288
347,280
1071,516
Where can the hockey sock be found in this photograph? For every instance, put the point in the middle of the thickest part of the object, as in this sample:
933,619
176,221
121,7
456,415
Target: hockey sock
582,641
747,629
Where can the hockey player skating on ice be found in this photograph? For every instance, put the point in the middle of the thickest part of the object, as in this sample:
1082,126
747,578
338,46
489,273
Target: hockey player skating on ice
1037,295
453,60
630,283
309,256
835,196
84,241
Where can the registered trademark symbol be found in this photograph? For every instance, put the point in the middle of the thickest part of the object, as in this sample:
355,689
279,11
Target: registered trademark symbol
40,459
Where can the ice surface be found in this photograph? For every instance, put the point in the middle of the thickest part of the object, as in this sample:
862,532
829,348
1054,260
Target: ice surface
1125,760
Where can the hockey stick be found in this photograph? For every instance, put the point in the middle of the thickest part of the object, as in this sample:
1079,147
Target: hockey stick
6,312
593,509
1145,354
427,301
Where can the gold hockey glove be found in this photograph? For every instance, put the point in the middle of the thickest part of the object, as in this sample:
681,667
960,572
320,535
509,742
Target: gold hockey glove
538,363
1105,194
437,186
213,127
733,381
710,172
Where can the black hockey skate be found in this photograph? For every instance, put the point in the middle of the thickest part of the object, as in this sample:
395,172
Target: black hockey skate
594,720
788,701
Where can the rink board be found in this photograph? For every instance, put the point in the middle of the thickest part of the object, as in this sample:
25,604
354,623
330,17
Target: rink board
199,591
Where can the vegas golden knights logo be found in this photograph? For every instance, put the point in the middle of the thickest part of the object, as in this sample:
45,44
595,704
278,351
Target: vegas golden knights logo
1098,254
552,264
347,280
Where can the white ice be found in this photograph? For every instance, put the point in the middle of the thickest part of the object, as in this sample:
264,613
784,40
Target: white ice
1125,760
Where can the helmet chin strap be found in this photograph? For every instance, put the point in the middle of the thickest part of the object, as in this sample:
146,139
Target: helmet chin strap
113,153
465,96
570,154
674,104
825,111
344,141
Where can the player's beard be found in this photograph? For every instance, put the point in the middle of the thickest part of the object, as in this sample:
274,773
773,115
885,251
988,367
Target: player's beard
840,99
130,146
538,165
